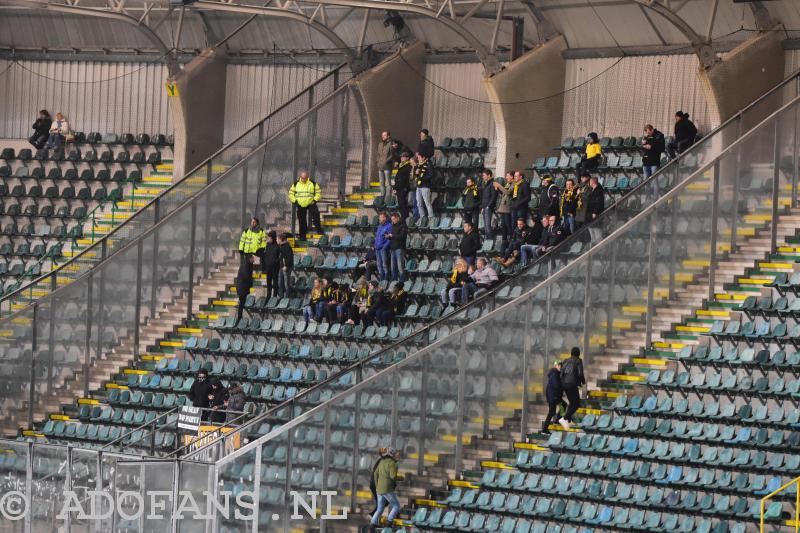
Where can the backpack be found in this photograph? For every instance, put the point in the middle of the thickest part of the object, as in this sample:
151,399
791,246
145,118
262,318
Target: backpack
569,373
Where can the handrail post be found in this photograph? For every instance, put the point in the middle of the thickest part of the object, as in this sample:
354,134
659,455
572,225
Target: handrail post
587,313
610,303
651,279
712,261
462,377
137,314
737,180
673,225
795,158
356,437
526,373
87,347
192,243
776,185
34,347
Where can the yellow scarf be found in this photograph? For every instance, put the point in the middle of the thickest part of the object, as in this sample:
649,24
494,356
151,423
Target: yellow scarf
516,186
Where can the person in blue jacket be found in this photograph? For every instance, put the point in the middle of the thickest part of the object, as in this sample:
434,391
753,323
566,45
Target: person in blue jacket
382,244
554,392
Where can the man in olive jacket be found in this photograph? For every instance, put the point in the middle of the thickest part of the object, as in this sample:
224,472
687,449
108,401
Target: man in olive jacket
385,477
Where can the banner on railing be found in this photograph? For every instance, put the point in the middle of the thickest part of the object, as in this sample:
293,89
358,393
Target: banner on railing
208,434
189,419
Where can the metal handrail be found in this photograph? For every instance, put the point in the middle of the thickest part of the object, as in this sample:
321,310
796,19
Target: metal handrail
189,174
564,245
763,502
146,424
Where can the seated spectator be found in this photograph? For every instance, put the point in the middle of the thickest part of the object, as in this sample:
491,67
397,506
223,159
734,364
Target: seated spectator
471,198
395,305
310,310
528,250
594,155
41,129
470,243
520,236
376,303
358,300
482,278
685,135
59,129
366,266
452,293
332,302
551,237
569,205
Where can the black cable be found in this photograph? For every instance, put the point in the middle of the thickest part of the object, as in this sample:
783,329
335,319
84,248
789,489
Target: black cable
84,82
591,4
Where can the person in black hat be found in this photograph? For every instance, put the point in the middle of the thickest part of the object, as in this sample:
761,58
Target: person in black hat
685,135
270,256
426,145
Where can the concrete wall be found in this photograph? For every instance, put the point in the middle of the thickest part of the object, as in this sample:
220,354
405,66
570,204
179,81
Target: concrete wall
393,95
744,74
198,111
529,105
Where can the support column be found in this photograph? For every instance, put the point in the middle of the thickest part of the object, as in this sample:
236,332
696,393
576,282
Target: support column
532,127
198,110
744,74
393,96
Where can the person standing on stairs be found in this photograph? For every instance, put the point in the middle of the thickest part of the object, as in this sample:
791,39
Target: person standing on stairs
269,263
402,184
304,194
285,265
572,379
199,391
244,282
385,163
553,393
385,478
253,240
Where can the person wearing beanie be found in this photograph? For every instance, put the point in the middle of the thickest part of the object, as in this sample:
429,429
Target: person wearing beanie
385,479
590,162
553,393
270,256
572,379
426,145
685,135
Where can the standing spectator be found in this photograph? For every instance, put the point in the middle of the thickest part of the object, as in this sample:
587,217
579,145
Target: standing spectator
397,247
385,164
569,205
217,398
685,135
470,244
488,202
402,183
653,148
582,208
553,392
593,157
382,252
398,149
199,391
471,199
236,401
41,129
536,238
385,476
304,194
310,310
59,129
505,192
548,198
572,379
423,175
596,201
425,147
244,282
285,265
270,263
520,197
376,303
482,279
395,306
253,240
451,294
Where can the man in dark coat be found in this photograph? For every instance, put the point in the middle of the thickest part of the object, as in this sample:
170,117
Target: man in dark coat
572,379
199,391
402,183
426,146
488,202
553,392
269,263
470,244
285,265
548,198
520,198
685,134
653,148
244,282
471,199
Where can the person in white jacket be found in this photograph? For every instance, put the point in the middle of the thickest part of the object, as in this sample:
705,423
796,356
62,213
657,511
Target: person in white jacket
58,131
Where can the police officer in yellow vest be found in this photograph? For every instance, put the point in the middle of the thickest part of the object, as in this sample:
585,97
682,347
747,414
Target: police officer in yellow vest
253,240
305,193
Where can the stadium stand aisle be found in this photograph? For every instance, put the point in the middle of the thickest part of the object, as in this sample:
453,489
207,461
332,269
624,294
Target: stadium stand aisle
56,203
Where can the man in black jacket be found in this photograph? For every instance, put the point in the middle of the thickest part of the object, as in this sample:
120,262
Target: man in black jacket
653,148
423,175
551,237
402,183
520,198
199,391
685,135
426,145
269,263
488,202
285,265
397,247
471,199
470,244
376,303
41,129
572,379
548,198
243,283
596,205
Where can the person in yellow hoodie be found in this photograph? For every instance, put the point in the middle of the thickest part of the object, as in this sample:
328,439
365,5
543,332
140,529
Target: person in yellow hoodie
304,194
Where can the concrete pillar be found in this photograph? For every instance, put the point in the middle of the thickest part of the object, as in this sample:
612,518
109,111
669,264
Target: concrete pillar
528,129
198,111
744,74
393,96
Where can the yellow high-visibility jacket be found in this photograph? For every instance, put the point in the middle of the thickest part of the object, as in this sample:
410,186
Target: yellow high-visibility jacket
252,241
305,193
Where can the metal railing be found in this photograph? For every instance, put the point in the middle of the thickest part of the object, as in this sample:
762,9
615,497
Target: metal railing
50,347
707,148
174,196
762,507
